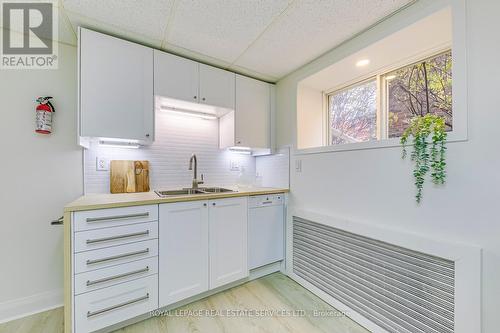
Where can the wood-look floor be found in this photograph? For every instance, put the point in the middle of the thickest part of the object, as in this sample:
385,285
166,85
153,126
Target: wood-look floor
272,292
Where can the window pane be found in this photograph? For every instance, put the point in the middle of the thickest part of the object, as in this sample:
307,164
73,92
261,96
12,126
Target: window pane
419,89
353,114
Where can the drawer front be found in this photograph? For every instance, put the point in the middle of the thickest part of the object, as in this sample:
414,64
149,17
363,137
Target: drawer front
112,217
109,276
108,306
266,200
100,238
114,255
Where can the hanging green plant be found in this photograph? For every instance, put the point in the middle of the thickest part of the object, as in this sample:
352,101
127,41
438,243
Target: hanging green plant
428,155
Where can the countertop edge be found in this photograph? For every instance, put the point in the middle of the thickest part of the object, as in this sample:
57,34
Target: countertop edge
75,207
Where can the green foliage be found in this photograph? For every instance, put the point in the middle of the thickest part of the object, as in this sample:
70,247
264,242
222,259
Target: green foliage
427,156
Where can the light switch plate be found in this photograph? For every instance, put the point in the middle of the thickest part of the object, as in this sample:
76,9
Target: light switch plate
298,165
102,164
234,166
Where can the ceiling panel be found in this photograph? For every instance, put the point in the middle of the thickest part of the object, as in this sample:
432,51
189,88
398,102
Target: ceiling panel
308,29
86,22
219,28
147,17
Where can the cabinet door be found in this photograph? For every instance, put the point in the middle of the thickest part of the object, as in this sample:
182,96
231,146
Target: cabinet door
216,87
183,254
116,88
175,77
252,113
228,240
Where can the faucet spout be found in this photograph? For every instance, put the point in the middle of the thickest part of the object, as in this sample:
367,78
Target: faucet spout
196,182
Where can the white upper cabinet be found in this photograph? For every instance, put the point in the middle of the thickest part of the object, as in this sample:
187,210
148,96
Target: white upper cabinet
176,77
217,87
182,79
250,124
253,113
116,97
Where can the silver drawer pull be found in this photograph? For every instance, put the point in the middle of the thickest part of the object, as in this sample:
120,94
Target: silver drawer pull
117,306
116,217
119,276
267,202
130,254
107,239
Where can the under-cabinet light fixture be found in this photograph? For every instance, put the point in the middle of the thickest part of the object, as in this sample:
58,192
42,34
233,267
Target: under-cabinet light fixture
189,113
241,150
117,144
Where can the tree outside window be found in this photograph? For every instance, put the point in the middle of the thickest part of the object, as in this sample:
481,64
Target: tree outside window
419,89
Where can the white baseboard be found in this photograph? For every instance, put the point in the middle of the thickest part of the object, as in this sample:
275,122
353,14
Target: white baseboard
26,306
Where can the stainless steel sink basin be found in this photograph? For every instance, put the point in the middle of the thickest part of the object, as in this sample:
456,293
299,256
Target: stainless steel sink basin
192,191
215,189
184,191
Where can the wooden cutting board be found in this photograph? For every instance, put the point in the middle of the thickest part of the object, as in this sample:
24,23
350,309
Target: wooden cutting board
129,176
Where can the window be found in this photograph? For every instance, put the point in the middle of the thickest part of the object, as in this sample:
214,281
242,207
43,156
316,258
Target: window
419,89
353,114
356,115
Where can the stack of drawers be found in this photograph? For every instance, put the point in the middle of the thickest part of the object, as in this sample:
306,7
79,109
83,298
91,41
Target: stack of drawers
115,265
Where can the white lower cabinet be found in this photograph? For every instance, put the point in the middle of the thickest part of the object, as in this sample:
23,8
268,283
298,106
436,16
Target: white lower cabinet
109,306
183,249
132,260
228,240
203,245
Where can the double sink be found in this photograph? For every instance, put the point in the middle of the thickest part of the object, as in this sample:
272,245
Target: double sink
193,191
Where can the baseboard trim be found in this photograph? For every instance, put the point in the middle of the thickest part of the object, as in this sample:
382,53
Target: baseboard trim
26,306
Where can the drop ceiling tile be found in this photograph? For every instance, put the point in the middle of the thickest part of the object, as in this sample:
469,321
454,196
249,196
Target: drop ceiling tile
83,21
147,17
221,29
310,28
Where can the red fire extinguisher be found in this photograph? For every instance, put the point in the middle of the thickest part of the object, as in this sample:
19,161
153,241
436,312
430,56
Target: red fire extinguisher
44,112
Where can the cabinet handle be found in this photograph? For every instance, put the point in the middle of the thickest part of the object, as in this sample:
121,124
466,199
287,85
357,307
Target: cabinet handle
147,135
107,239
119,276
120,256
116,217
213,203
203,99
267,202
117,306
204,205
194,97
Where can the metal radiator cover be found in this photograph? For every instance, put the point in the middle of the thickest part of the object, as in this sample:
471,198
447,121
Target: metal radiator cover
398,289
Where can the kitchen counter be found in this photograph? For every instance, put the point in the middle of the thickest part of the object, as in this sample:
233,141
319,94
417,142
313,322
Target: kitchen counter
100,201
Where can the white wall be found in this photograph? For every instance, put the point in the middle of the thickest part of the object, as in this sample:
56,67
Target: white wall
310,117
40,174
376,186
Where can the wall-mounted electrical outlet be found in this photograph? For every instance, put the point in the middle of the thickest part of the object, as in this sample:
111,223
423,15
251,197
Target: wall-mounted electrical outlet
234,166
102,164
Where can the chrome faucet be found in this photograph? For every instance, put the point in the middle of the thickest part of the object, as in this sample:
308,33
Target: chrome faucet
196,182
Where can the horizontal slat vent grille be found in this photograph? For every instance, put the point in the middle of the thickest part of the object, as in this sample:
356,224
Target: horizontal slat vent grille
398,289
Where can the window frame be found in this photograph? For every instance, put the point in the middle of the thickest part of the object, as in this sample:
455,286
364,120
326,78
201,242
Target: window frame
459,120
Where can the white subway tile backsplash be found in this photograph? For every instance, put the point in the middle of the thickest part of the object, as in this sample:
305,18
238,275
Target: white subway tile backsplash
177,137
274,170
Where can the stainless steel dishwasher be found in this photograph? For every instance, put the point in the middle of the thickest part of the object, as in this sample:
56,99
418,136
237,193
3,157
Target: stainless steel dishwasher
265,229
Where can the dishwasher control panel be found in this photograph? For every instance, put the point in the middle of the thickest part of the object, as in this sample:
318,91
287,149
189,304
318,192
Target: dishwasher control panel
266,200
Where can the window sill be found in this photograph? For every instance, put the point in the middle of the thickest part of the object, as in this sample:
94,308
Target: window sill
386,143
